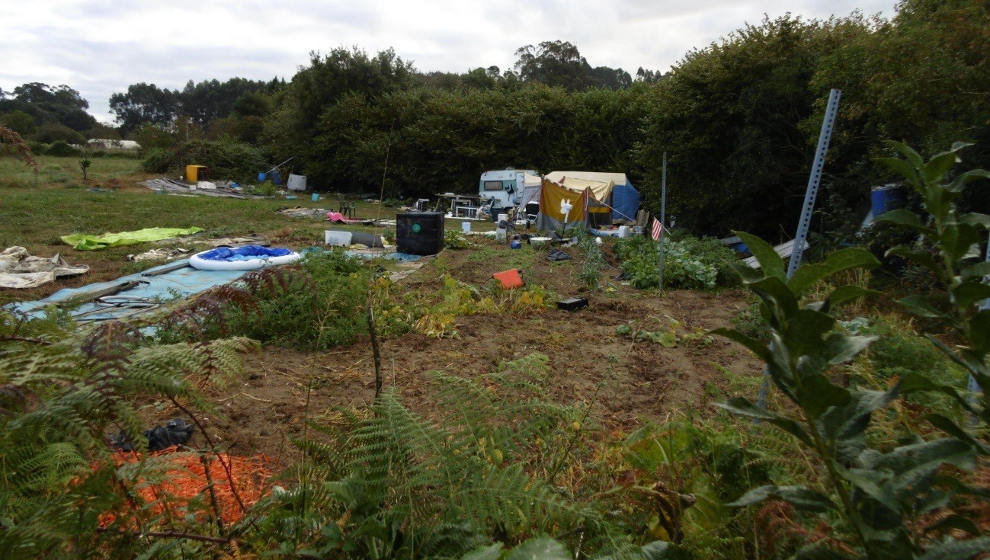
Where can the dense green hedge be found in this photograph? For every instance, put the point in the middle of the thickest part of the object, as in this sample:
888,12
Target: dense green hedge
226,160
739,119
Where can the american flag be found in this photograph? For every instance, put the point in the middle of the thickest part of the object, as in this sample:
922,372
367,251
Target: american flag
656,230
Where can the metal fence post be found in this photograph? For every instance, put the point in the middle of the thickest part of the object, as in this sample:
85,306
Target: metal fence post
663,214
807,210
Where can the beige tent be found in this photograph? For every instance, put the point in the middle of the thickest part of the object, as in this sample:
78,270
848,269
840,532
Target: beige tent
600,190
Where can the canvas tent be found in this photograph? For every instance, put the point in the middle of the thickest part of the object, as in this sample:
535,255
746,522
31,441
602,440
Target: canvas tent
552,216
610,192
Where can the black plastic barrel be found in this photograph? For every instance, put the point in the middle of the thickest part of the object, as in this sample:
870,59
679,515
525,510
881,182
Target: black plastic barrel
419,233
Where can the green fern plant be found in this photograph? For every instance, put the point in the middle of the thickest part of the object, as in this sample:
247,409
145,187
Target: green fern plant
393,484
57,478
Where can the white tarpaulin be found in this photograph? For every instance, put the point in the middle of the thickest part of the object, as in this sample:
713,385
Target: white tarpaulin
18,269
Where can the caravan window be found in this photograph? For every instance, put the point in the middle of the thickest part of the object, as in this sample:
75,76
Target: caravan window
493,185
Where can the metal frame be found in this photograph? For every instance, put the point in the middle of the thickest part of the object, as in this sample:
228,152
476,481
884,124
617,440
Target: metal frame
808,208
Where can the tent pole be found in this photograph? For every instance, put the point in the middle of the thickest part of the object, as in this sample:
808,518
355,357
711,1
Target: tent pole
663,213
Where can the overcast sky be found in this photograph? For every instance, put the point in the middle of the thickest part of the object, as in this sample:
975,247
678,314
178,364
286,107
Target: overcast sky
101,47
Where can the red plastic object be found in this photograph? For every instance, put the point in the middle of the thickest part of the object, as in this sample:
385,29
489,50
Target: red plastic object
511,278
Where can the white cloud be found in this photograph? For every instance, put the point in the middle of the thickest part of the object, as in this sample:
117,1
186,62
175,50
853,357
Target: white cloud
100,47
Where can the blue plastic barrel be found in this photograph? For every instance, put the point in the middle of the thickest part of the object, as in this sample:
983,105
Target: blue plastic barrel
886,198
262,177
276,178
316,197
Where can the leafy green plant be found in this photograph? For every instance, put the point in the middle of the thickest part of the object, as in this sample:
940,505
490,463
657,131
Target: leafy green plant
689,262
955,261
876,498
640,261
594,262
318,306
697,263
84,165
453,239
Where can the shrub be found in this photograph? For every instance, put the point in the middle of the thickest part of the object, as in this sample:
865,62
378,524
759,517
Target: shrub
453,239
319,305
157,160
640,261
52,132
689,262
698,263
225,159
61,148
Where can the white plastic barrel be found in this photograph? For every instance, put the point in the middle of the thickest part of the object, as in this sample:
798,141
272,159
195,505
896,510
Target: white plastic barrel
337,238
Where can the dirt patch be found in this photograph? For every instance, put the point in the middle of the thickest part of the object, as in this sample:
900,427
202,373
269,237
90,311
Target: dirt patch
630,381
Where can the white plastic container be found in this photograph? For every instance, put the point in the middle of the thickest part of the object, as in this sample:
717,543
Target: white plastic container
337,238
465,227
623,231
296,182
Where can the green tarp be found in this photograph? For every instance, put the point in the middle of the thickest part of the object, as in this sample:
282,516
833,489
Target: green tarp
85,242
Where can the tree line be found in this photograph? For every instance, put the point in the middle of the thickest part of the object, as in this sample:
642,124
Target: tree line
738,118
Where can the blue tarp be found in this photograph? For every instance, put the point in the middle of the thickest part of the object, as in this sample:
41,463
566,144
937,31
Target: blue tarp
625,202
245,253
179,283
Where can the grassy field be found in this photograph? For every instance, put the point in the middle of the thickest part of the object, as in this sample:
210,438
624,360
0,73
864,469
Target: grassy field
35,216
65,171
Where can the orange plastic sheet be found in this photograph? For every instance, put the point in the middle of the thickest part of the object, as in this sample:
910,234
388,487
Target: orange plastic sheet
185,479
511,278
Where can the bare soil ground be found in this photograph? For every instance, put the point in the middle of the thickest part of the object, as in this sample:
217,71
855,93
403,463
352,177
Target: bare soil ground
631,381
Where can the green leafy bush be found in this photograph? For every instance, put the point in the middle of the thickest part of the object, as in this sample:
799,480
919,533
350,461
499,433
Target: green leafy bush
61,148
914,500
453,239
640,261
225,159
320,305
689,262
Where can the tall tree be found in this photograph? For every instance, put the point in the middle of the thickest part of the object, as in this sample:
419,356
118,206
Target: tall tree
59,104
554,63
144,104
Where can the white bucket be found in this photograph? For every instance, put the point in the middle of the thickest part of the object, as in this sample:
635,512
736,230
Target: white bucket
465,227
337,238
623,231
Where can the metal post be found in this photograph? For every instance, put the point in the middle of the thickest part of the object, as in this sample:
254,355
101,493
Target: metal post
663,213
810,194
973,386
831,110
